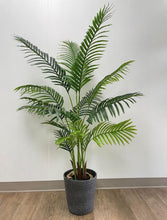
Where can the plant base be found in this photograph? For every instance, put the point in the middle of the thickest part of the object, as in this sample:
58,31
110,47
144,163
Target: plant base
80,193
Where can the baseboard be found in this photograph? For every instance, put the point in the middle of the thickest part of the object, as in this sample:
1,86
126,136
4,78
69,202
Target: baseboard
56,185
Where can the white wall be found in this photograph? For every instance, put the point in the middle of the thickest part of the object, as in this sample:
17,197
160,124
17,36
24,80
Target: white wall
27,150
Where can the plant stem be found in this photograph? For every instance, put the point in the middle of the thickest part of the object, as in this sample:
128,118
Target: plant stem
83,162
76,99
78,153
86,113
78,109
74,164
71,101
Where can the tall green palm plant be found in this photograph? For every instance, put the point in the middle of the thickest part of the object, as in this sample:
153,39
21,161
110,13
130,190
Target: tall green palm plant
74,128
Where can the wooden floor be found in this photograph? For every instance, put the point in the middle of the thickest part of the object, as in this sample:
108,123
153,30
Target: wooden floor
130,204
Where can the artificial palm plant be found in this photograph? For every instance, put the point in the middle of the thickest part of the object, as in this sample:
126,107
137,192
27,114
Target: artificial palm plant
89,117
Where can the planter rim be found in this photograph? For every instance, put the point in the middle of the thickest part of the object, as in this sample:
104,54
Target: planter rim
72,180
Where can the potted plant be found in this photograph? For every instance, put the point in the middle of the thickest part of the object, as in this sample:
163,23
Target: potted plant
89,117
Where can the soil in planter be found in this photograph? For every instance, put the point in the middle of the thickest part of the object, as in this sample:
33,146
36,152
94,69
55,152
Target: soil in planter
71,176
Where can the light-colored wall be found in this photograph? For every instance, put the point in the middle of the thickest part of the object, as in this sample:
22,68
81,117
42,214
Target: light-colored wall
139,31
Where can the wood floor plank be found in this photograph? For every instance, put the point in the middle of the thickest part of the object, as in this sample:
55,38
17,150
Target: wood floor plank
162,193
120,204
10,203
139,207
159,209
2,198
52,206
112,206
27,206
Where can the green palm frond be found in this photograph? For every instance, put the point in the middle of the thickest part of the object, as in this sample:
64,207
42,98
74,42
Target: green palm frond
48,64
41,108
56,124
84,105
87,139
78,130
79,125
107,133
111,105
93,97
42,93
91,50
66,147
70,115
63,133
109,79
68,54
69,138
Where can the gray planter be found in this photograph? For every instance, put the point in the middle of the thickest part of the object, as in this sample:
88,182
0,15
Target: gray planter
80,194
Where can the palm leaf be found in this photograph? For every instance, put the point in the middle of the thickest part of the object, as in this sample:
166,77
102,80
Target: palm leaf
107,133
66,138
48,64
56,124
91,50
63,134
84,105
79,125
42,93
70,115
68,54
109,79
41,108
87,140
111,105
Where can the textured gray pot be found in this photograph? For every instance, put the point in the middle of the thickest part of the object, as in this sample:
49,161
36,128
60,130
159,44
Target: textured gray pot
80,194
